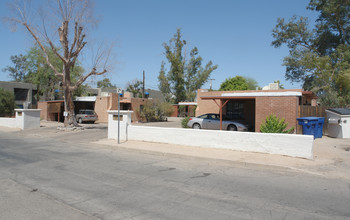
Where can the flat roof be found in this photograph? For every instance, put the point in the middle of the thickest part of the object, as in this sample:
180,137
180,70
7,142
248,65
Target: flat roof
86,99
187,103
252,95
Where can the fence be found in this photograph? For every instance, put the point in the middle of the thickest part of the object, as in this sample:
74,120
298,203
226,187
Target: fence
312,111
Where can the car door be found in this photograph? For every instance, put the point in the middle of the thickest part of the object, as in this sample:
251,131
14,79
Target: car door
204,121
213,122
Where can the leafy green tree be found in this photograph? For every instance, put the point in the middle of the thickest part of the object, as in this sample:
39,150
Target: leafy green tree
164,85
7,103
319,57
234,83
184,77
105,83
18,72
252,83
273,124
40,73
135,87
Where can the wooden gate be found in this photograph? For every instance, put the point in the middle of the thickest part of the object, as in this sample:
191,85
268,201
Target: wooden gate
312,111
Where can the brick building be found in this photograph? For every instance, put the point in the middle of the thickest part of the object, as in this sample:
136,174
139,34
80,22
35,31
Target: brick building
253,106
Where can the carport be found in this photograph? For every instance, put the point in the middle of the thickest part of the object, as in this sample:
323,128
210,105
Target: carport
236,106
253,105
84,103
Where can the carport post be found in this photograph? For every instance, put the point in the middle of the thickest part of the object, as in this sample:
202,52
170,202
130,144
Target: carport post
118,118
221,106
220,114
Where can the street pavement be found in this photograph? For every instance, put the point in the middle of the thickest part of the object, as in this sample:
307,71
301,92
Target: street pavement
47,173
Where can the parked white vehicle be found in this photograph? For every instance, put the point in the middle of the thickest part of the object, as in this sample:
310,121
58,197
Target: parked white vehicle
86,115
212,121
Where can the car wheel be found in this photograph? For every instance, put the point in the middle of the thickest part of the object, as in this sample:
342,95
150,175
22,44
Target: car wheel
232,128
196,126
80,121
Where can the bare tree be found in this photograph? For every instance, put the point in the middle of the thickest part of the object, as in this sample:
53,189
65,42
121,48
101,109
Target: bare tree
67,27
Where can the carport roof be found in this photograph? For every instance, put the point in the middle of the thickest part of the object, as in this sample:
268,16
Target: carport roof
252,95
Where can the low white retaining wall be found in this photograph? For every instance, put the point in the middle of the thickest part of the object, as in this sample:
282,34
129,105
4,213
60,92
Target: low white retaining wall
283,144
8,122
25,118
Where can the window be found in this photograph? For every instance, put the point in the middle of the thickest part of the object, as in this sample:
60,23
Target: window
203,116
21,94
235,111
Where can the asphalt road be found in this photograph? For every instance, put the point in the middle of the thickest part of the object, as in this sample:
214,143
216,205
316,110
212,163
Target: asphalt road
122,184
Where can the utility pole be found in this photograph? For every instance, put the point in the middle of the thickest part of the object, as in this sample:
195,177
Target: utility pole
143,85
211,83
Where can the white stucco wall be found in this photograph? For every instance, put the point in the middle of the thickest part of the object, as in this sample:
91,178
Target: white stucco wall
25,118
31,118
283,144
8,122
125,121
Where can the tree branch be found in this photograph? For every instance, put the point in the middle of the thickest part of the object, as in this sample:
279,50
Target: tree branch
43,49
83,78
75,37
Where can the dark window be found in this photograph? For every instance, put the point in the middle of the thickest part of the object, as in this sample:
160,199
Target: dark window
235,111
21,94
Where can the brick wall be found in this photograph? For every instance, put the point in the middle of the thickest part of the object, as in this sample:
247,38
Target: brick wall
282,107
43,112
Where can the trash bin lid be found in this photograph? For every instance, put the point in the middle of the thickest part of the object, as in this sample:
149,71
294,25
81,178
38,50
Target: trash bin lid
340,111
309,118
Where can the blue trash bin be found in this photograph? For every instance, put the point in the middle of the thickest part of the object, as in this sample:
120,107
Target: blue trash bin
320,127
312,126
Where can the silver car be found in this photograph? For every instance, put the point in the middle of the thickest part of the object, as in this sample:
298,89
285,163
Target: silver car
86,115
212,121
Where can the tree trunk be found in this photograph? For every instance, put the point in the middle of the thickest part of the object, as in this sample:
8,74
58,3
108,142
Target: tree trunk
69,117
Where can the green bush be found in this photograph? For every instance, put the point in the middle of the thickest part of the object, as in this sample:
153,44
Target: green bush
184,122
7,103
275,125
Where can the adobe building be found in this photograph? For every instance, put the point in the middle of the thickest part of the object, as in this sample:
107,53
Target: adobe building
53,110
253,106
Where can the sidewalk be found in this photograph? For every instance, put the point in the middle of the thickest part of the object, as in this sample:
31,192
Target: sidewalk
331,156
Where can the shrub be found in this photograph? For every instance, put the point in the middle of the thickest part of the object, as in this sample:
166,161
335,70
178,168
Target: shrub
155,111
275,125
7,103
184,122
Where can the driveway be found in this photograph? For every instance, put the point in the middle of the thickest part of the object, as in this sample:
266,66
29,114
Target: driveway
172,122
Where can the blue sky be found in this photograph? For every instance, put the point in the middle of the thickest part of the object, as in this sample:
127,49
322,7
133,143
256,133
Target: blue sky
235,34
